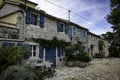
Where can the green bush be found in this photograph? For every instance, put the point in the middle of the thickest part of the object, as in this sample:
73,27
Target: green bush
18,72
83,57
10,56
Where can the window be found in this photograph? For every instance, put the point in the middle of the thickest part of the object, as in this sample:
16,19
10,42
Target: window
62,27
33,19
5,44
33,49
84,34
74,31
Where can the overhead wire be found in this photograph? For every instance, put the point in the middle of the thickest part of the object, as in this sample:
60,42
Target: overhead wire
76,14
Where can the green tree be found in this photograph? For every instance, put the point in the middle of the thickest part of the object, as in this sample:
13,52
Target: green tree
114,19
10,56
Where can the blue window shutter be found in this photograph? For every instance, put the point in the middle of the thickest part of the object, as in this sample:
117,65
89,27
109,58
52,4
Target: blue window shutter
58,26
5,44
41,51
75,31
85,34
28,16
41,23
59,52
34,19
27,52
66,28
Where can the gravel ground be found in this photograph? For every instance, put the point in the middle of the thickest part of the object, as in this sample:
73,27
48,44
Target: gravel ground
98,69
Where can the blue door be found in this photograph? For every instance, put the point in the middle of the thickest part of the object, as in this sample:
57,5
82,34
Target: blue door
51,55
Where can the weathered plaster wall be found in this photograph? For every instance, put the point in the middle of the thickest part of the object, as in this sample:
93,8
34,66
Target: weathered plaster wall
12,19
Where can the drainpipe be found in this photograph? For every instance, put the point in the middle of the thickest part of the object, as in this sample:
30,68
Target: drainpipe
24,25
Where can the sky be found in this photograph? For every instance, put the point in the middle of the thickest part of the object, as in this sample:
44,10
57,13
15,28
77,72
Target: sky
87,13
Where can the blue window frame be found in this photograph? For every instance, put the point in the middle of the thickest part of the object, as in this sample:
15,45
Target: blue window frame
33,19
61,27
28,16
41,51
84,34
41,22
58,26
74,31
66,28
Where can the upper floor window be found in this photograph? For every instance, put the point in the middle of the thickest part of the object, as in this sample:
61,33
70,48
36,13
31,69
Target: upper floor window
74,31
84,34
33,19
61,27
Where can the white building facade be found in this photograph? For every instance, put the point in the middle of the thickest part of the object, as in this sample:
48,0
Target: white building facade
27,23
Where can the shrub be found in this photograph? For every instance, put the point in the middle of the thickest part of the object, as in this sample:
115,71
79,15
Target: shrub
18,72
9,56
83,57
81,54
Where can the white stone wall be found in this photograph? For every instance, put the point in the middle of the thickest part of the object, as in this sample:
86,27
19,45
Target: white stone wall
94,42
48,32
21,25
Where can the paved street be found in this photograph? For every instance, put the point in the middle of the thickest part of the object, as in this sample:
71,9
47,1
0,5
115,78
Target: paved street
98,69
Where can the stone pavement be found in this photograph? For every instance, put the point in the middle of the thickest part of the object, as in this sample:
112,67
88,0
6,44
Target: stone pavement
98,69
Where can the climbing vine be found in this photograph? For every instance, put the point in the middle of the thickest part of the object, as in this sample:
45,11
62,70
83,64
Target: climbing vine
52,43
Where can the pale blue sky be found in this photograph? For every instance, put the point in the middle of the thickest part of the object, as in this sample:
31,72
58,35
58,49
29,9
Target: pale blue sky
90,13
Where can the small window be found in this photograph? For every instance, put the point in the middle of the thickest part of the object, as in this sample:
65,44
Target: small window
62,27
33,49
74,31
84,34
33,19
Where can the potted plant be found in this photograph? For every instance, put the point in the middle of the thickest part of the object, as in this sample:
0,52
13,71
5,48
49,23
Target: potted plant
77,56
84,58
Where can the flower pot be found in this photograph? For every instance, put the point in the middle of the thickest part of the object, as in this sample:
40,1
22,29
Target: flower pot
83,64
77,63
70,63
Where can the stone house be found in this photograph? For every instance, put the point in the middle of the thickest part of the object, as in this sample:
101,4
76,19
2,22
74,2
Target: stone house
20,22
